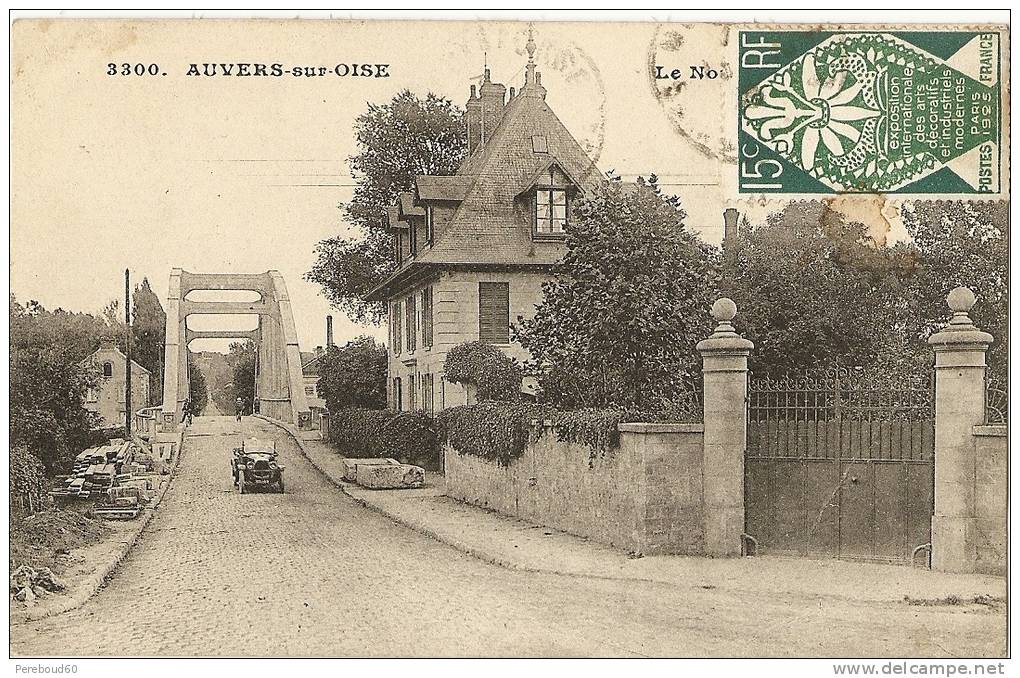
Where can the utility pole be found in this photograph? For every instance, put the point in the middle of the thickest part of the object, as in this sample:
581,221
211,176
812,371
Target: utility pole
127,352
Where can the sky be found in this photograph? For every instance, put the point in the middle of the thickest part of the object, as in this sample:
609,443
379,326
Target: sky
247,174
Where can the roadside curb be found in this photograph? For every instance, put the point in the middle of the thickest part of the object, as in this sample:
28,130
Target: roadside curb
91,587
473,551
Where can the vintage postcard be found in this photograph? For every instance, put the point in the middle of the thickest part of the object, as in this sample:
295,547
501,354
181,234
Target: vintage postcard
533,338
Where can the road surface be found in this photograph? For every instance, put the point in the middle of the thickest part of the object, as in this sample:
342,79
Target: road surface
311,572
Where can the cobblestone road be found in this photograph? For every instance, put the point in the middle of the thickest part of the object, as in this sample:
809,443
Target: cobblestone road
313,573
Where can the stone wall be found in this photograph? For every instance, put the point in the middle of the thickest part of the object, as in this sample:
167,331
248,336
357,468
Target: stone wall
645,496
991,448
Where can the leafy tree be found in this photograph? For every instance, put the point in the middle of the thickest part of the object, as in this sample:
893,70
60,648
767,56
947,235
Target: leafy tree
496,375
962,243
354,375
50,380
242,364
812,289
397,141
198,390
617,325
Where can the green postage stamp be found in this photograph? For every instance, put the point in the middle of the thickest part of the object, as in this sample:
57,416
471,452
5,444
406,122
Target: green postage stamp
870,112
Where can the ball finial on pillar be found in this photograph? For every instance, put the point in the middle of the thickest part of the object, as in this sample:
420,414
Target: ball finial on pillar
961,299
724,310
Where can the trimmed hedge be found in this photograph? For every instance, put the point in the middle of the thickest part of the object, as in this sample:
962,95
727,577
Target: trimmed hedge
407,436
411,438
357,432
495,431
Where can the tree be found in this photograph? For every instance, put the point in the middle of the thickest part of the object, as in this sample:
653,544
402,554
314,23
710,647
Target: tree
962,243
494,374
148,333
618,324
242,364
398,141
198,392
812,289
354,375
50,381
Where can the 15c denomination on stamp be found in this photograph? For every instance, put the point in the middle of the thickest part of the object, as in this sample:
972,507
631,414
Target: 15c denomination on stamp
869,112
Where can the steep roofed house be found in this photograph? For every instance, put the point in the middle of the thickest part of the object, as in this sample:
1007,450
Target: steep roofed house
473,249
108,400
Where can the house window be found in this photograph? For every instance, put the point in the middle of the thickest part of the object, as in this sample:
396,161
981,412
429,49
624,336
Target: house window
539,144
396,247
413,243
426,317
428,225
396,327
411,318
411,399
550,210
108,369
310,391
494,312
398,397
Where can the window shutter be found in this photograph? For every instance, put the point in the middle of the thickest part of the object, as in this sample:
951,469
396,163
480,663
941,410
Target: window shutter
397,329
494,312
411,321
426,316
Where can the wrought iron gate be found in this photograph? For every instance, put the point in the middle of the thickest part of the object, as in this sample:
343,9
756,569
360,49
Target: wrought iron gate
839,465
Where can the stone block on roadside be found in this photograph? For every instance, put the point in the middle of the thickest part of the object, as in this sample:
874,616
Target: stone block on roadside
391,476
351,466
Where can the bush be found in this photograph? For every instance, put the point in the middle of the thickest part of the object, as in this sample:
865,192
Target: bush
496,375
27,482
495,431
357,432
411,438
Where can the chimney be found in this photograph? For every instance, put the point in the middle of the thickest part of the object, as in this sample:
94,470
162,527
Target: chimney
329,332
318,350
473,117
493,95
729,224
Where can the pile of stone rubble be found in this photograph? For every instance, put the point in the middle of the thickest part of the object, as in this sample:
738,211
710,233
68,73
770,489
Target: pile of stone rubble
28,583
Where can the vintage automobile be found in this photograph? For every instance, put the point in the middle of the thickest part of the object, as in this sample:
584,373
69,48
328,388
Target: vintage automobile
255,465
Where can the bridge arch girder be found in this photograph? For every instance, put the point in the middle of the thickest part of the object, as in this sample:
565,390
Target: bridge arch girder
280,389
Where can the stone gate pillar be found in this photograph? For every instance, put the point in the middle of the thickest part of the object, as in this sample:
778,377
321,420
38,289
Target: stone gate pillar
959,406
724,358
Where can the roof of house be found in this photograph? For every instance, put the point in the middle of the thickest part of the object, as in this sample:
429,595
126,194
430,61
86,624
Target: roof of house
443,188
407,206
491,226
310,363
120,354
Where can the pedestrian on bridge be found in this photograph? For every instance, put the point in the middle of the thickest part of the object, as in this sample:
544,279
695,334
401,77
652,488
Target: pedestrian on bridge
186,411
239,408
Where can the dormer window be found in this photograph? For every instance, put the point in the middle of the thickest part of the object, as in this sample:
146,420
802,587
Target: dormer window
413,242
428,225
550,211
107,369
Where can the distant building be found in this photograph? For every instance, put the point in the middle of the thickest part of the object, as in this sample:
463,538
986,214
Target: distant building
108,400
473,249
310,377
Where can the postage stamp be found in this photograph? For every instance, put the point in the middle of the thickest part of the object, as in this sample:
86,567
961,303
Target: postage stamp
869,112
